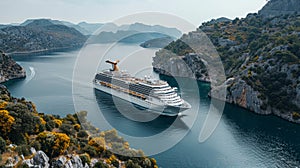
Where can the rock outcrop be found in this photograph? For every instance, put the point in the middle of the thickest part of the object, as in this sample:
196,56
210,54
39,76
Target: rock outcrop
9,69
280,7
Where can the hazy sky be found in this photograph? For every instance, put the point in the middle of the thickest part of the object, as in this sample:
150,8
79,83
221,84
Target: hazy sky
194,11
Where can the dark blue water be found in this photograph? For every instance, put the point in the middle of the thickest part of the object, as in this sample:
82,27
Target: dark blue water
242,138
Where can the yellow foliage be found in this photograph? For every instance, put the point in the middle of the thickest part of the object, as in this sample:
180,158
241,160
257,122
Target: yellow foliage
108,161
102,134
43,122
53,142
112,157
6,121
58,122
153,161
3,104
61,142
98,143
77,127
126,145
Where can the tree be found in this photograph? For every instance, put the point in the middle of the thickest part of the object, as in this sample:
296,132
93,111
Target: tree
6,122
53,143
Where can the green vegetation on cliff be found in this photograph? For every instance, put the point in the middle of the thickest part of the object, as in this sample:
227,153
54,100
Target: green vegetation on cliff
261,59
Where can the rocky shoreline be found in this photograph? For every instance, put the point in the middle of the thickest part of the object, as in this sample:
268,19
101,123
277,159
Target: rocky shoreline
44,51
9,69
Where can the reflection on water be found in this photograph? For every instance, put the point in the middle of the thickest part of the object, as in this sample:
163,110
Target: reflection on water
110,112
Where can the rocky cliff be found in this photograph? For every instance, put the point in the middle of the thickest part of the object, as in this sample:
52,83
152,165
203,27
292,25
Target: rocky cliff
280,7
9,69
261,59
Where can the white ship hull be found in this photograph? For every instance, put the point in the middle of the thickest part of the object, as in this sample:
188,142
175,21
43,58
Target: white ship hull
154,106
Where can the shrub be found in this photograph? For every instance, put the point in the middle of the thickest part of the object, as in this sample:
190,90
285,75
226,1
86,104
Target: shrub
131,164
90,150
52,143
296,116
36,145
85,158
82,134
100,165
67,129
23,150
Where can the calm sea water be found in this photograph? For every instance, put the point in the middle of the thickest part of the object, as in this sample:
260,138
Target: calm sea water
242,138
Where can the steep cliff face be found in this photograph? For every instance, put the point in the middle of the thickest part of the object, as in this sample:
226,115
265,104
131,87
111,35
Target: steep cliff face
261,59
280,7
9,69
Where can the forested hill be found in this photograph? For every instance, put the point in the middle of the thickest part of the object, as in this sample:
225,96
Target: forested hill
39,35
261,57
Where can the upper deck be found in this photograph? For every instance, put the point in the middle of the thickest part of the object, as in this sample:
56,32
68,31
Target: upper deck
125,76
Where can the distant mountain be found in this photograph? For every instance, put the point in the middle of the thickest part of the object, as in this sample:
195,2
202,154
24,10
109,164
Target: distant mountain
90,27
157,43
58,22
173,32
133,33
125,37
280,7
39,35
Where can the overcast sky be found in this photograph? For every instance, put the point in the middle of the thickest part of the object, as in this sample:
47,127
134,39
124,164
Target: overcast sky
194,11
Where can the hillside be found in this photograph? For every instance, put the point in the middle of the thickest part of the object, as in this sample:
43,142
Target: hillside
261,60
280,7
157,43
125,36
132,33
39,35
32,139
9,69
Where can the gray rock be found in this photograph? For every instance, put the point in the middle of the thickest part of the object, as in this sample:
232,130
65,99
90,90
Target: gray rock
32,150
226,42
93,162
76,161
280,7
41,159
9,162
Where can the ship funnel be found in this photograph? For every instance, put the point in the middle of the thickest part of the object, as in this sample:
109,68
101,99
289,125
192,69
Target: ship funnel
114,64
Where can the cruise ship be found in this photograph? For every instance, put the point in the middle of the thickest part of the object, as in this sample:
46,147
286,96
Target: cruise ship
155,95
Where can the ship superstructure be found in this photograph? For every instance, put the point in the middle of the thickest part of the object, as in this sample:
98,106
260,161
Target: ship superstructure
146,92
